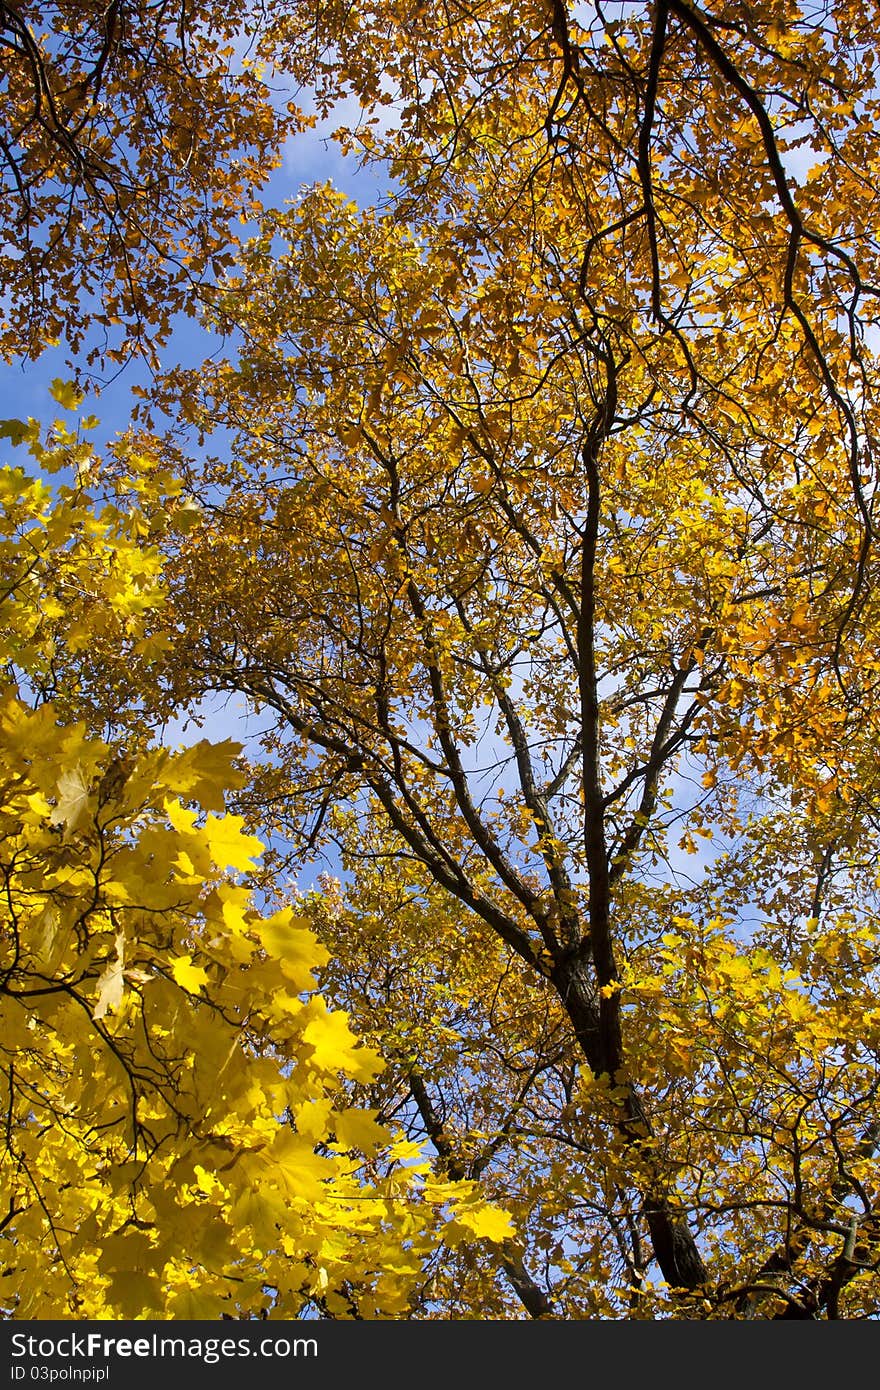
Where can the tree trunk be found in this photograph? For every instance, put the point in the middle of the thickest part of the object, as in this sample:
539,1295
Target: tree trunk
674,1246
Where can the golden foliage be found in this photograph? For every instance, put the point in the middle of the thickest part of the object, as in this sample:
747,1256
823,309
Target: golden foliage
541,532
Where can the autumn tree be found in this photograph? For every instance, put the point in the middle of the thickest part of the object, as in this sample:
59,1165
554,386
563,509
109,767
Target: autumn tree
545,536
182,1136
184,1124
185,1132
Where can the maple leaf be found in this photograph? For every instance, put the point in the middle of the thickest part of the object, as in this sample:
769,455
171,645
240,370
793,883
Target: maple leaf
262,1212
228,847
111,982
358,1129
296,948
66,393
194,1305
182,820
192,978
134,1293
335,1047
17,431
295,1166
484,1222
72,808
313,1119
203,772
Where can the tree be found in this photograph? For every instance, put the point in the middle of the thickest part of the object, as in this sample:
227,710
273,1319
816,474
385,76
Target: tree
546,535
132,134
182,1129
168,1065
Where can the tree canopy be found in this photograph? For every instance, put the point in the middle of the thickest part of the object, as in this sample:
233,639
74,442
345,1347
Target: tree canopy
534,507
133,137
182,1137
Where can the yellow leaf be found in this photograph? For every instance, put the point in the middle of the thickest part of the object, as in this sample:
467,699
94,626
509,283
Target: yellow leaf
73,799
262,1213
133,1293
357,1129
335,1047
111,983
312,1119
294,1165
193,1305
190,977
182,820
483,1222
65,393
228,847
17,431
202,772
296,949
